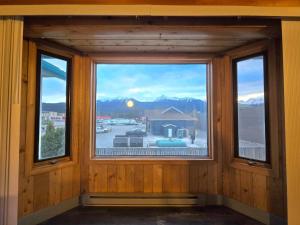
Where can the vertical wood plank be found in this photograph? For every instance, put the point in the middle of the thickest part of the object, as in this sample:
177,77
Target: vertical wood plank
212,176
121,178
112,178
246,195
157,178
11,35
27,195
175,178
41,195
55,188
76,180
138,178
291,56
148,178
100,178
198,179
66,183
260,192
235,184
129,178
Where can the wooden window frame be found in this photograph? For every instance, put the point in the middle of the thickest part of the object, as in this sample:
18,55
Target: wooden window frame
154,59
32,167
235,61
68,60
275,92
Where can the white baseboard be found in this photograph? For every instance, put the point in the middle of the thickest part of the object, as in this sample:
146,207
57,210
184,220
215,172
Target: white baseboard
47,213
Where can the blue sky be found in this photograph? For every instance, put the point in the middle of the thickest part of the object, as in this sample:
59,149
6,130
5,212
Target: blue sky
54,89
147,82
250,79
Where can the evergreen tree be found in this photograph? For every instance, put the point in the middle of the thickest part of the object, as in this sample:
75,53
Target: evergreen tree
52,143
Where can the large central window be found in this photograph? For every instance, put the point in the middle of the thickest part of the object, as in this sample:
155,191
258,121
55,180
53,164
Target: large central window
151,110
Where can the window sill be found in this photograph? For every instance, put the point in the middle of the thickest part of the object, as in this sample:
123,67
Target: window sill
251,166
50,165
150,160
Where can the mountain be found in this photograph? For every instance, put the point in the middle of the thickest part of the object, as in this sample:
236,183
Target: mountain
118,106
54,107
253,101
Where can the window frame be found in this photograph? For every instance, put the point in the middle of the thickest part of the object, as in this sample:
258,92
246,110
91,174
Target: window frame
236,155
68,120
157,60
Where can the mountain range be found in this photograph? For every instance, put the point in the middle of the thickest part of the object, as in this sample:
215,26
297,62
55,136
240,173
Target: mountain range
108,107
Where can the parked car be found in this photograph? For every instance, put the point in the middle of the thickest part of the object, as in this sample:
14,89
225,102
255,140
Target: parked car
102,129
136,133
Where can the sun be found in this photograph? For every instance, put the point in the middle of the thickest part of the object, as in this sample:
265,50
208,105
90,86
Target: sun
130,103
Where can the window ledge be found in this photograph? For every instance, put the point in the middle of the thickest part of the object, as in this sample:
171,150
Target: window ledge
49,165
247,165
150,160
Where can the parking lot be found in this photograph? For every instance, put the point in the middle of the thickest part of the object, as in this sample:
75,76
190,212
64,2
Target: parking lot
105,140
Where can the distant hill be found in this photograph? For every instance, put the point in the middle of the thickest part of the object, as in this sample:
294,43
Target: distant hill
54,107
111,107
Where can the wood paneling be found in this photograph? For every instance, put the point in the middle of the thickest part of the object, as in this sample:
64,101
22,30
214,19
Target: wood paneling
143,175
291,56
252,185
158,2
263,191
11,35
48,186
145,34
152,178
149,10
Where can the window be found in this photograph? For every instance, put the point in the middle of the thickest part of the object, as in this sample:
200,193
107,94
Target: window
53,107
151,110
251,109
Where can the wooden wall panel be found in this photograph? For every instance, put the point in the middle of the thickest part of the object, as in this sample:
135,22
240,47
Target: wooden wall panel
11,35
250,184
49,187
291,59
148,176
41,187
55,179
152,178
158,2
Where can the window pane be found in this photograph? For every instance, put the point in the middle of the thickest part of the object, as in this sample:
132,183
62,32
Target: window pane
251,109
53,110
151,109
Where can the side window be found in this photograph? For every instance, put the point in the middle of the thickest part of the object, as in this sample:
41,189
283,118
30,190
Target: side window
52,107
251,108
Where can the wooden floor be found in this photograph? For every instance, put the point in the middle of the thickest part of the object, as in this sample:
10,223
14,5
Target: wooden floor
151,216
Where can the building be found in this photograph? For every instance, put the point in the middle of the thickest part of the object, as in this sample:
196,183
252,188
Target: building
166,122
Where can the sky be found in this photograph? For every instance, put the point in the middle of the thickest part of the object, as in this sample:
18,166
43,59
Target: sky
250,79
148,82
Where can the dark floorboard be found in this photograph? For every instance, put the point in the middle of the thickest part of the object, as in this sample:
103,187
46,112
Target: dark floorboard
151,216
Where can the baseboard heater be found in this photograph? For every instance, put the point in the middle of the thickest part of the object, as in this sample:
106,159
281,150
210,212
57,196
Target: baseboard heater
143,200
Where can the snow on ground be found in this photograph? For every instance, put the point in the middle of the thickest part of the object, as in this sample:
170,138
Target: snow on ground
105,140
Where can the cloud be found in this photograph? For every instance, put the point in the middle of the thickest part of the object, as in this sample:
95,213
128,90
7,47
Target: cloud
53,90
147,82
251,96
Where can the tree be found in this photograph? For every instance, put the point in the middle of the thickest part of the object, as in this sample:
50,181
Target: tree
53,142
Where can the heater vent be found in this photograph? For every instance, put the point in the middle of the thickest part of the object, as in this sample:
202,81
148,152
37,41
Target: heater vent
143,200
